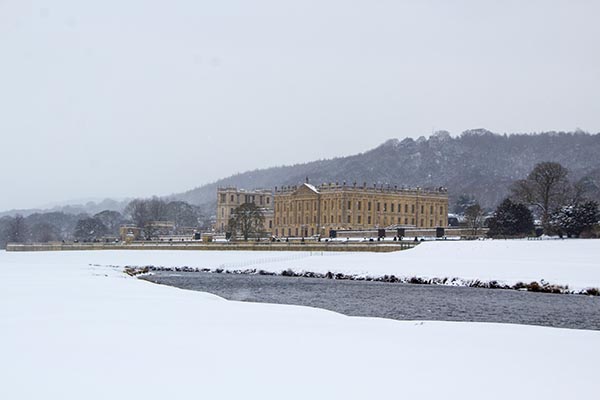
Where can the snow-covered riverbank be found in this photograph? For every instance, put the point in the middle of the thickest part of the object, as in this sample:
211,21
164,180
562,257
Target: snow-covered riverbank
70,330
572,263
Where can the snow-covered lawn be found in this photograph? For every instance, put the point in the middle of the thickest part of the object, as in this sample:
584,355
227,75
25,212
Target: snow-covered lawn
575,263
70,330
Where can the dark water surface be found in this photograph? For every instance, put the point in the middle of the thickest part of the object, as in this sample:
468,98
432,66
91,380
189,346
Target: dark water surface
397,301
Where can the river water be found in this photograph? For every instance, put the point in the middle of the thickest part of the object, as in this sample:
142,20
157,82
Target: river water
397,301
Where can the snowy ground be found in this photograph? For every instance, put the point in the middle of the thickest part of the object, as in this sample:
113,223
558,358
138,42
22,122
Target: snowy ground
575,263
70,330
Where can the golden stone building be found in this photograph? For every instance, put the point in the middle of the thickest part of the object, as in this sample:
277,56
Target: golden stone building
229,198
307,210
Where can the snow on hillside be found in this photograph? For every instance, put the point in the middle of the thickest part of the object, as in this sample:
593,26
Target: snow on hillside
70,330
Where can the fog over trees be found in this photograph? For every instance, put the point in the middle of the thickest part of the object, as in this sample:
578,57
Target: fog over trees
59,226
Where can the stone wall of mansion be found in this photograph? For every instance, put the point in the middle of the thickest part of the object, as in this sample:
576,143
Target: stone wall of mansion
229,198
307,210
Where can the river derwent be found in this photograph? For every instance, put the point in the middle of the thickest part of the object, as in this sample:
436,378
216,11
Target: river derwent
397,301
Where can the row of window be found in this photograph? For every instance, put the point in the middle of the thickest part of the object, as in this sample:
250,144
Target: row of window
298,206
359,220
248,198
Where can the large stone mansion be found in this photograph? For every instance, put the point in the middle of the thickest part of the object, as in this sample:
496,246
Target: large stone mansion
307,210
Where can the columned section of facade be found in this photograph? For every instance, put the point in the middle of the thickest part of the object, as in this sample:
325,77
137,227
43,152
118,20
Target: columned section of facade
306,210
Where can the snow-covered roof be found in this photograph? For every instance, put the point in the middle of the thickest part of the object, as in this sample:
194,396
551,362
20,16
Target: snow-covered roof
311,187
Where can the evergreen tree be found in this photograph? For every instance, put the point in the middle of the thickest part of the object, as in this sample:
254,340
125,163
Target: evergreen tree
510,219
573,219
474,217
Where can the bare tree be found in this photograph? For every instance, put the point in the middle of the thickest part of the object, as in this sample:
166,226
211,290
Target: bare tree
44,232
182,214
248,220
474,217
157,209
137,211
546,188
143,212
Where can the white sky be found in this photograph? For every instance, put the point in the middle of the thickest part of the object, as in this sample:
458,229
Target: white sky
133,98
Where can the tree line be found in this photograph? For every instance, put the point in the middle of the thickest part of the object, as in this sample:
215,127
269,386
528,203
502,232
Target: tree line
562,207
57,226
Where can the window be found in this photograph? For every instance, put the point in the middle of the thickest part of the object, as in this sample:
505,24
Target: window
422,222
399,220
412,208
284,220
359,220
378,206
405,221
223,197
268,200
358,204
232,198
276,232
349,219
296,231
325,205
422,209
270,224
222,212
332,220
369,220
325,219
231,210
339,219
369,206
392,207
406,208
430,209
430,223
289,231
349,205
312,231
412,221
384,207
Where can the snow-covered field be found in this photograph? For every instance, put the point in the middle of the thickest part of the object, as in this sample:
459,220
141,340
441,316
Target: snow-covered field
71,330
575,263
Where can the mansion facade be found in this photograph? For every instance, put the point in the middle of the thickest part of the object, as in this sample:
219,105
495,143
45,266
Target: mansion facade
307,210
229,198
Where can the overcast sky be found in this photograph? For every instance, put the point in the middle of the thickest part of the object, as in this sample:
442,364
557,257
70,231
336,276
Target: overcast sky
120,98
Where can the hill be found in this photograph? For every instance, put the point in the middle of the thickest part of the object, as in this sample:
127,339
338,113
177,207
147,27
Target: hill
478,163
